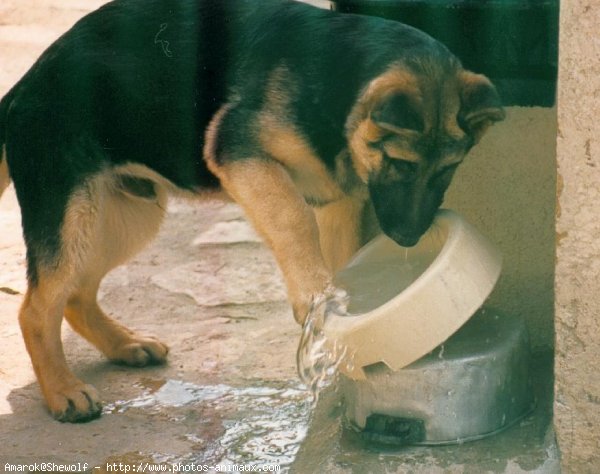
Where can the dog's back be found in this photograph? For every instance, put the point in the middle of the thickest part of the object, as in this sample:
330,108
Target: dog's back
136,81
124,86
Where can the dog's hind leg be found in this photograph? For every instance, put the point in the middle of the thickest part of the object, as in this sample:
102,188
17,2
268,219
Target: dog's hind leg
105,220
130,214
118,343
53,267
67,397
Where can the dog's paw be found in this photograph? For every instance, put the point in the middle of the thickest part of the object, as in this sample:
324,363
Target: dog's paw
336,301
331,300
75,404
140,352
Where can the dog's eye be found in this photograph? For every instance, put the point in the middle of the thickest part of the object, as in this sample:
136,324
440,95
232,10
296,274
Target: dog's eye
444,175
403,170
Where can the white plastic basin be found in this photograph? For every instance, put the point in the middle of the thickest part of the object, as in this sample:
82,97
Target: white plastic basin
404,302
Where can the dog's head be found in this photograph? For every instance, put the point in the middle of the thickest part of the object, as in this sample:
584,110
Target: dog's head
410,129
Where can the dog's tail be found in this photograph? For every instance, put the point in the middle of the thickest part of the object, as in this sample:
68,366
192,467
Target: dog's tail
4,174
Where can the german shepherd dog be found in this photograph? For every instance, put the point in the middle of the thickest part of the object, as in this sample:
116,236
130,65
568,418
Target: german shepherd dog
299,114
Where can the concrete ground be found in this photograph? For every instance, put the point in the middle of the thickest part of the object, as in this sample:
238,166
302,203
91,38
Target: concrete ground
229,393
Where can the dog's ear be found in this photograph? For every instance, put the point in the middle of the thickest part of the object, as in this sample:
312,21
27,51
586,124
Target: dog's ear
480,104
396,113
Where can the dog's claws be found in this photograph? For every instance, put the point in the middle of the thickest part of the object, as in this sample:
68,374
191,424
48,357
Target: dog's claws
145,351
74,414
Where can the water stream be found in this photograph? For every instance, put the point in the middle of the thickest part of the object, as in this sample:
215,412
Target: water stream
318,358
366,286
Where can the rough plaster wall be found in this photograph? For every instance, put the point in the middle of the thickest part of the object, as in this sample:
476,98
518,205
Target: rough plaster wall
507,188
577,388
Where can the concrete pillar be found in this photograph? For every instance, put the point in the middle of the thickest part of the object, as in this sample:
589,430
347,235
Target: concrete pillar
577,281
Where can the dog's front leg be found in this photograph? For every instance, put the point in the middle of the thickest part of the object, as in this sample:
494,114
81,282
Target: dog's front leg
280,214
340,230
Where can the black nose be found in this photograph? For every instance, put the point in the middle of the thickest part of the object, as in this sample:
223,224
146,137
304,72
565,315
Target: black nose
405,240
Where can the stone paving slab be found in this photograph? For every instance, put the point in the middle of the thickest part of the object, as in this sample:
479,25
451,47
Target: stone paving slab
226,276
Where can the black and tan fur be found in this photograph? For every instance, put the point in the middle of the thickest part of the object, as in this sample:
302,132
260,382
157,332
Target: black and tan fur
301,115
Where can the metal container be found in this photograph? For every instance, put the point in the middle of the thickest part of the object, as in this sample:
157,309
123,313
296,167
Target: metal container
475,384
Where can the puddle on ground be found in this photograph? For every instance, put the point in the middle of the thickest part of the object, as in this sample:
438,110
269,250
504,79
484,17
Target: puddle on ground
261,425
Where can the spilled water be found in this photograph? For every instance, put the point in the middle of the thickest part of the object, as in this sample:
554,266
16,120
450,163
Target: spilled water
260,426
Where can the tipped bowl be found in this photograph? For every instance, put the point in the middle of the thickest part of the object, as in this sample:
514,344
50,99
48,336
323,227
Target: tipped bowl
404,302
